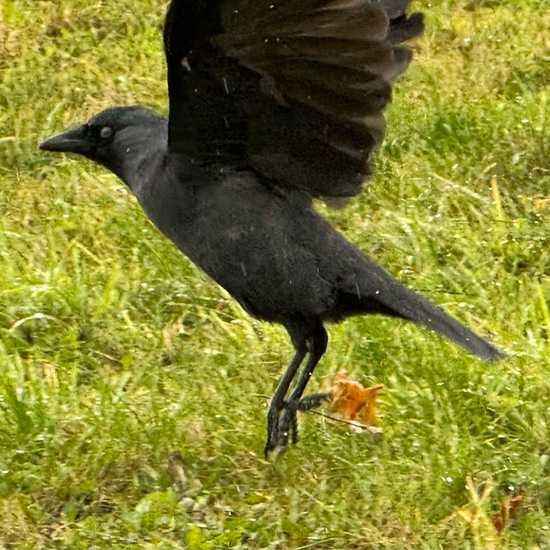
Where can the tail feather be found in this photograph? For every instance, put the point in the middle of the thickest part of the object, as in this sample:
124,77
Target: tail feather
409,305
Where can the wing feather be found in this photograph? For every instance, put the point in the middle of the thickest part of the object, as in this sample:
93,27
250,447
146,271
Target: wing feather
293,89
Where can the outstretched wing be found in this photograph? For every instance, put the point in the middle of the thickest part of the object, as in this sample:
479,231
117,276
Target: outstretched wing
292,89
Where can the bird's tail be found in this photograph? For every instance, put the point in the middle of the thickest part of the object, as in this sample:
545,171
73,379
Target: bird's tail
407,304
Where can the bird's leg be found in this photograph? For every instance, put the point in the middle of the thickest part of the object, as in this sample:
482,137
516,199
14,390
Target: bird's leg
278,399
288,426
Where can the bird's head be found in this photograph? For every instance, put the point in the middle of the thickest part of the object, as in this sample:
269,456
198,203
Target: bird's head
119,138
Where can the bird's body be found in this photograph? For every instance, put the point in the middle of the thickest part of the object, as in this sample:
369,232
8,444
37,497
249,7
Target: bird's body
269,249
231,175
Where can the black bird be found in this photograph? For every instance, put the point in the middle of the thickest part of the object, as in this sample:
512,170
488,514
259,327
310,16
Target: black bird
272,103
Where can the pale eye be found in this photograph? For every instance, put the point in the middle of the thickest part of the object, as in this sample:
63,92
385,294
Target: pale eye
106,133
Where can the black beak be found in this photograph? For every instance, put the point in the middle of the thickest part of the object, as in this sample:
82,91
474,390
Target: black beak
72,141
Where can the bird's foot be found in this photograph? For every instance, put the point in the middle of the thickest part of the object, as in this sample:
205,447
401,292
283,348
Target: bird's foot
313,401
272,430
282,426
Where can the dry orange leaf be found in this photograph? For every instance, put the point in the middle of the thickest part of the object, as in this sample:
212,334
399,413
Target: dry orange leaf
508,508
352,401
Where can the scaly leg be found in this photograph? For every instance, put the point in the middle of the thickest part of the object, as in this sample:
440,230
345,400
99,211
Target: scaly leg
316,344
307,335
278,400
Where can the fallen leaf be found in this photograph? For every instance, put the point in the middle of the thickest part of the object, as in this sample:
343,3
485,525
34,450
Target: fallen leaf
508,508
352,401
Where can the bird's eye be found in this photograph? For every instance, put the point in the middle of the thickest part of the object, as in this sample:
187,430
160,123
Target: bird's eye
106,133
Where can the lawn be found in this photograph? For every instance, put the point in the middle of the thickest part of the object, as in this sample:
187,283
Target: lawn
133,389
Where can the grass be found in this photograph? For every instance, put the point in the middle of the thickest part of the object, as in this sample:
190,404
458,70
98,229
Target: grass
131,413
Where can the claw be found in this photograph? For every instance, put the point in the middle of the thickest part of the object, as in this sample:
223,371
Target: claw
272,431
312,401
288,423
283,425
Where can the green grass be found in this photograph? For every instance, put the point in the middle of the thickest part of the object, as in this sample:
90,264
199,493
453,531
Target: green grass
116,352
